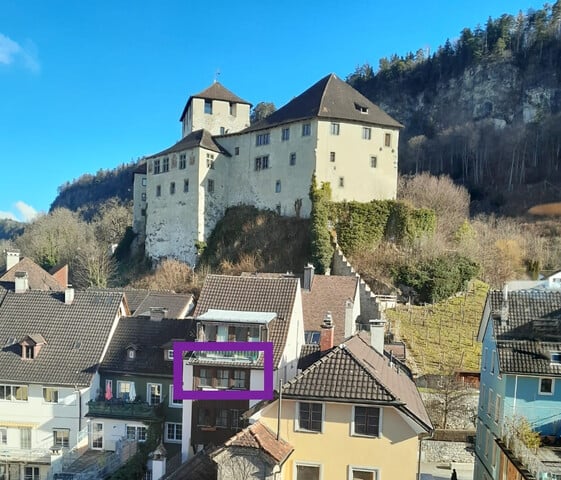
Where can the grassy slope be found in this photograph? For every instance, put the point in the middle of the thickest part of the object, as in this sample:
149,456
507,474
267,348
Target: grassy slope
442,337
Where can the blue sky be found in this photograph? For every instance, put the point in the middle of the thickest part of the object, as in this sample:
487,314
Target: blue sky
86,86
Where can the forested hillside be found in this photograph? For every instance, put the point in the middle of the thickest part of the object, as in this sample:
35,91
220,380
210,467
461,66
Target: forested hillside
485,108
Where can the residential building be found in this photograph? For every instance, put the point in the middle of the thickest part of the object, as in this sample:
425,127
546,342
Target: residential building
25,274
249,309
352,400
520,380
52,344
221,161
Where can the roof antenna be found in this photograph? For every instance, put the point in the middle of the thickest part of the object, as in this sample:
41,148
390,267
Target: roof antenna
216,75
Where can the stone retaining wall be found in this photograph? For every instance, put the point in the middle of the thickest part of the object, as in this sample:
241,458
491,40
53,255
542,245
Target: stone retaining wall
446,452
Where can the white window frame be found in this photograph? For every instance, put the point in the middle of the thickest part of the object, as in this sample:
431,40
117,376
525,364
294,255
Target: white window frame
335,128
149,393
119,393
137,430
552,386
380,416
143,182
556,354
53,390
375,471
306,129
497,408
367,133
297,426
174,439
171,402
285,135
61,444
307,464
490,403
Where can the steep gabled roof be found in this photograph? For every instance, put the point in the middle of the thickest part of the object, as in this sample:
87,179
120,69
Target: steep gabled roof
215,92
527,328
198,138
253,294
149,338
38,278
355,372
178,305
330,98
75,335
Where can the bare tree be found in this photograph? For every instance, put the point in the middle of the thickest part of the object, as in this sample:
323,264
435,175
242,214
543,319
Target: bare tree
111,221
241,464
94,267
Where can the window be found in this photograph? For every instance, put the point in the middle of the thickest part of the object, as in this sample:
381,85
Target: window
205,379
158,191
172,188
50,395
143,197
285,135
262,163
25,438
154,393
222,418
172,401
555,357
331,156
208,107
262,139
31,473
210,186
373,162
490,403
143,212
335,129
306,130
341,181
186,185
235,415
361,108
237,151
232,109
169,354
204,419
362,473
28,352
61,437
292,160
493,362
19,393
494,455
165,164
277,186
388,140
222,131
484,360
307,472
497,408
546,386
239,379
210,160
182,161
311,337
173,432
366,421
156,167
366,133
123,390
144,182
310,416
222,378
136,433
3,436
131,353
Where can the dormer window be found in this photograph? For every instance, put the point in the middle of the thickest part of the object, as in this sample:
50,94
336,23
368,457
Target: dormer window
361,108
131,351
170,354
555,357
30,346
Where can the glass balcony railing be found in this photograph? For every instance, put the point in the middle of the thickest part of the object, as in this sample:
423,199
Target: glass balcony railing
228,355
118,408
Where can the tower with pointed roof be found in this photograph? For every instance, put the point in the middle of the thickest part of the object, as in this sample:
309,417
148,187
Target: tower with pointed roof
221,161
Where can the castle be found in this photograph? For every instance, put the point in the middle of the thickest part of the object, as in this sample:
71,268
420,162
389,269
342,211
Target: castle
222,160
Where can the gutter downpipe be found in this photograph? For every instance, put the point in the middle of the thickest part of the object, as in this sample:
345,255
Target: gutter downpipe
515,393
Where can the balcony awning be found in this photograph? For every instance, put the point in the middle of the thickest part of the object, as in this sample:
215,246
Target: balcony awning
6,423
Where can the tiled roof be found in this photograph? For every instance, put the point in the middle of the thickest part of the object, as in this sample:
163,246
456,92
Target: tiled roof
38,278
150,337
75,335
215,92
355,372
531,330
262,438
253,294
308,354
328,293
136,297
198,138
330,98
199,467
178,305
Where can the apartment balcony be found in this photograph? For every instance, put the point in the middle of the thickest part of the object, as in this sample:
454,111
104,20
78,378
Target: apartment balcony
118,408
19,455
244,356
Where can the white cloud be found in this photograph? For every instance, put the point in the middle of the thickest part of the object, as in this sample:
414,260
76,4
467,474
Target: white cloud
26,212
12,52
9,215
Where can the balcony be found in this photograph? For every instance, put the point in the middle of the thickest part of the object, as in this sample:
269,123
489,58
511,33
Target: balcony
227,356
19,455
118,408
544,463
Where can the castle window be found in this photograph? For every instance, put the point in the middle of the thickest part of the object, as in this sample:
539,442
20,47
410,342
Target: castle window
158,191
278,186
208,107
335,128
222,130
306,129
373,162
331,156
366,133
210,186
388,140
261,163
262,139
144,182
292,160
210,160
172,188
232,109
341,181
143,197
285,136
186,185
182,161
237,151
156,167
165,164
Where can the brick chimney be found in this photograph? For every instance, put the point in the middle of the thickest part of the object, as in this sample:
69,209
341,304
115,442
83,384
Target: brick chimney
308,276
12,258
326,333
377,332
22,282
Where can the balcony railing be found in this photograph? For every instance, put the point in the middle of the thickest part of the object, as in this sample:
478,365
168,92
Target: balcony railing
544,463
118,408
32,455
228,355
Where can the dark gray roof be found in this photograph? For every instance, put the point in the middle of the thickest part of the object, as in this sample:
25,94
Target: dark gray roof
215,92
198,138
253,294
529,331
75,335
178,305
355,372
150,338
330,98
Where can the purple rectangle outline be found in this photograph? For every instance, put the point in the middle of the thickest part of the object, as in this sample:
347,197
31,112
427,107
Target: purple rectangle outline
180,394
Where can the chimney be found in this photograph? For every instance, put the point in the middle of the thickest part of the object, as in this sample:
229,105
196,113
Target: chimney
350,324
12,258
158,313
326,333
504,306
69,296
22,282
308,276
377,332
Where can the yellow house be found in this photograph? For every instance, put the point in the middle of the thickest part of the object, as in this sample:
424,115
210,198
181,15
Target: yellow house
351,415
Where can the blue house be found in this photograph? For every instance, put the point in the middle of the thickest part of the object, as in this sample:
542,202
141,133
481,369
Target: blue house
520,333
